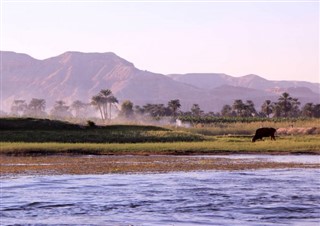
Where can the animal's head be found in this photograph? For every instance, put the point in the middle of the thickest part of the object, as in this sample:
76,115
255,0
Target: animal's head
253,139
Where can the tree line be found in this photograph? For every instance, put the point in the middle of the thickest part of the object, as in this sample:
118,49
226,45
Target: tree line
107,104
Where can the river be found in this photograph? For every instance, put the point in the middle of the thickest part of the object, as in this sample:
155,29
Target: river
243,197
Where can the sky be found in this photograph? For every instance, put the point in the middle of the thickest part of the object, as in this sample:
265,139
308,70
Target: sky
278,40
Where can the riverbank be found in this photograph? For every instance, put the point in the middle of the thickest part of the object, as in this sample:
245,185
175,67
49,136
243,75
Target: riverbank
87,164
44,130
40,146
36,137
303,144
87,158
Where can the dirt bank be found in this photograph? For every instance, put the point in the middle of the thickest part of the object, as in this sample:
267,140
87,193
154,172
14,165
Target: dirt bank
59,164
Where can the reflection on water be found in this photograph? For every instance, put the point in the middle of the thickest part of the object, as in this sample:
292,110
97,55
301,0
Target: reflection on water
261,197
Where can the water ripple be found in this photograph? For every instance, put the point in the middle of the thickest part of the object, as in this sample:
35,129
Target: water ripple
261,197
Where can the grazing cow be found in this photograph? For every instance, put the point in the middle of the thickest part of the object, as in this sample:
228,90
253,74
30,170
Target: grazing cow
264,132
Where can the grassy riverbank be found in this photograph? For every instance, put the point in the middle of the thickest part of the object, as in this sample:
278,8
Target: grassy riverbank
218,145
43,130
34,137
36,146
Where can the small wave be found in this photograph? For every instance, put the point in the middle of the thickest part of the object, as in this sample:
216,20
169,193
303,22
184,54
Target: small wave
260,197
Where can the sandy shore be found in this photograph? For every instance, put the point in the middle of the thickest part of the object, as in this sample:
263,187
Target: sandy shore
61,164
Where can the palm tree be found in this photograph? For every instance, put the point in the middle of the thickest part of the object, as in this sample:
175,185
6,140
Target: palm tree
307,110
159,110
295,111
266,108
284,102
97,101
126,109
37,104
287,104
239,107
195,110
250,109
78,106
102,100
174,105
112,100
316,111
36,107
105,94
18,107
60,110
226,110
155,110
276,110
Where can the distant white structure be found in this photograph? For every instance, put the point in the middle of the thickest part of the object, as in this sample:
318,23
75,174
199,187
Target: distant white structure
178,123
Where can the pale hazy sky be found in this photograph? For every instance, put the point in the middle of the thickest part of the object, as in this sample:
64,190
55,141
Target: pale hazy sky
277,40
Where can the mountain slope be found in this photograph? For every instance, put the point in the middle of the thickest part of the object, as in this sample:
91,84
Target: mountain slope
78,76
212,80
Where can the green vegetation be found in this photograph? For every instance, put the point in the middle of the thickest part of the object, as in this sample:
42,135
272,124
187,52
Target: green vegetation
44,130
110,110
28,136
246,126
218,145
228,120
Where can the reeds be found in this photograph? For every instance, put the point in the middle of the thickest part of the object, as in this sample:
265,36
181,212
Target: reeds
243,128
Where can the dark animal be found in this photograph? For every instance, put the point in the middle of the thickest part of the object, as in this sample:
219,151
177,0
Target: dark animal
264,132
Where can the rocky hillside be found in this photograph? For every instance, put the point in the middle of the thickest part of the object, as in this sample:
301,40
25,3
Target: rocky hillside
78,76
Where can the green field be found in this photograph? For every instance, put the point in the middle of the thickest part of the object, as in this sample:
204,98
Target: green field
45,137
218,145
44,130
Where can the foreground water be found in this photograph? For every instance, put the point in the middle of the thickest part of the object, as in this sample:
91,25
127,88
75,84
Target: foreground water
247,197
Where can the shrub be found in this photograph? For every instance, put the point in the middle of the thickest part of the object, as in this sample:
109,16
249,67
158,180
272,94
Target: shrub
91,123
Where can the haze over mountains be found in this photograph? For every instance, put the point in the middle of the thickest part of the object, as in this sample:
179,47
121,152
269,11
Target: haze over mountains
78,76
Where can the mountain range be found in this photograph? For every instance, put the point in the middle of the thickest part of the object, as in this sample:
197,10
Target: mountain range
78,76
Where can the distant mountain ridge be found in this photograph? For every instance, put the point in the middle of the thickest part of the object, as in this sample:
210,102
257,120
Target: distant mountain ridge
213,80
78,76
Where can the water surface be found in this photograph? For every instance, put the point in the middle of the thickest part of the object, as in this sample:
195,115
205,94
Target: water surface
247,197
